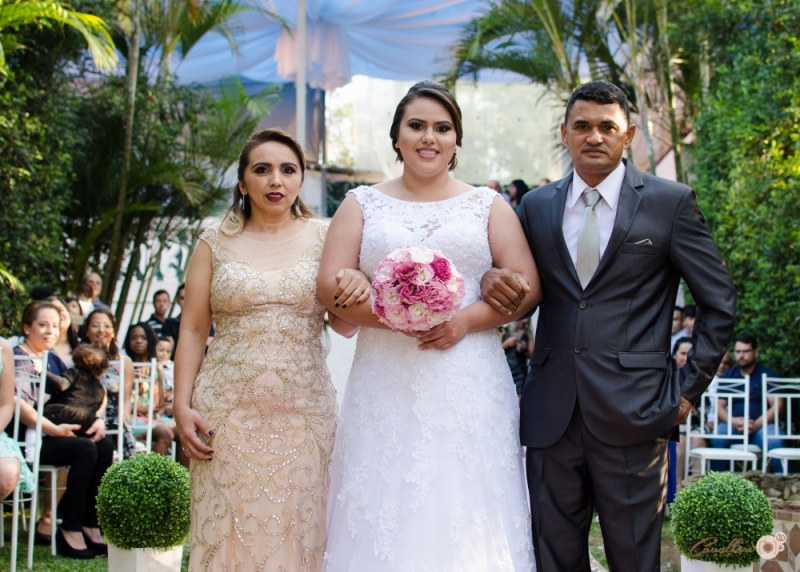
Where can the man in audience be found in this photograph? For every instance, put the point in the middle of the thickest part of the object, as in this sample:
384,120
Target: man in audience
172,327
678,331
94,281
750,417
689,315
161,303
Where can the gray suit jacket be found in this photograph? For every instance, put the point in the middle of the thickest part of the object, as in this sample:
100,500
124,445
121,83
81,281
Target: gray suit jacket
608,346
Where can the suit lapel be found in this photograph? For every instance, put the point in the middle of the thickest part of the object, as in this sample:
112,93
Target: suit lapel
629,199
557,224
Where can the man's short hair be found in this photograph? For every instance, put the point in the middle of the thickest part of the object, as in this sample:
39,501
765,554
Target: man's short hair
41,293
690,311
747,339
678,309
159,293
603,92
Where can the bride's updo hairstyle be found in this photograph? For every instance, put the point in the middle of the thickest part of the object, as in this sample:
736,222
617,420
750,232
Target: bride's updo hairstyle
437,92
240,212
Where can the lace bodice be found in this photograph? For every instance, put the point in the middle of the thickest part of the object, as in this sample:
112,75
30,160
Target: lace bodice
456,226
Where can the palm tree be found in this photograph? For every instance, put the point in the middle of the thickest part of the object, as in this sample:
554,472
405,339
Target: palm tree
16,13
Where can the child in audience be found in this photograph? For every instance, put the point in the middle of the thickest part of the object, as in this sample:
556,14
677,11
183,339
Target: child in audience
165,366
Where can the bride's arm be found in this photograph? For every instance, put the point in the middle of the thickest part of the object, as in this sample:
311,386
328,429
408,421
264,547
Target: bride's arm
509,250
342,247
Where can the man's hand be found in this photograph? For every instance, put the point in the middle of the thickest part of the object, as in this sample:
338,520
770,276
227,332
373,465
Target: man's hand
683,411
504,290
738,424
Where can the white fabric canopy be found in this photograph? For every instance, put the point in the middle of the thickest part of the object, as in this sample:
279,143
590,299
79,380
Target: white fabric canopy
388,39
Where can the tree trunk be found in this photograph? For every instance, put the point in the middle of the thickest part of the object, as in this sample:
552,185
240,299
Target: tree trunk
677,147
641,100
110,279
133,263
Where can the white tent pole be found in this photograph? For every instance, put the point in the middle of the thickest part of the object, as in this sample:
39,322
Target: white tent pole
300,81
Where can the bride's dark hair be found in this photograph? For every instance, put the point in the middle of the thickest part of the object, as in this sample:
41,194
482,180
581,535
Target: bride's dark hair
437,92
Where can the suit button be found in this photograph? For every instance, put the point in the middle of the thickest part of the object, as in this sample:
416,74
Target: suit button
582,305
578,349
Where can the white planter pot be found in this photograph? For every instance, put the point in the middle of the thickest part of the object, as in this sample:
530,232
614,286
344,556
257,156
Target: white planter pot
700,566
144,559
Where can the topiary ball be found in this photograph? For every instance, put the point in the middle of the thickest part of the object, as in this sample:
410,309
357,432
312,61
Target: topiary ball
720,518
144,503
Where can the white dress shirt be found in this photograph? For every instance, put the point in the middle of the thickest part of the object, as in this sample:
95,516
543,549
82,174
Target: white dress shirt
606,209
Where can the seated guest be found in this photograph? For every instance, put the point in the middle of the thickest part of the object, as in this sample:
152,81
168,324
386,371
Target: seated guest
88,457
495,185
172,327
161,304
517,346
68,335
748,417
677,451
13,468
516,190
689,316
678,331
165,365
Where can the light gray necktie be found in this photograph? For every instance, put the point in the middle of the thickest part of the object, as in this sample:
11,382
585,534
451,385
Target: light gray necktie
588,238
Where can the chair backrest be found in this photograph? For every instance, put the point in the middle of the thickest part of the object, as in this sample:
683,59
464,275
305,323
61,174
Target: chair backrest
145,377
724,391
30,386
119,366
787,390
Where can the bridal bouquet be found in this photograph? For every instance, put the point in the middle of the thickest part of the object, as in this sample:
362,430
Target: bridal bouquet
416,288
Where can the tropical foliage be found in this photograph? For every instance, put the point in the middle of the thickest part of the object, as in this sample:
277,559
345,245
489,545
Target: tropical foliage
65,138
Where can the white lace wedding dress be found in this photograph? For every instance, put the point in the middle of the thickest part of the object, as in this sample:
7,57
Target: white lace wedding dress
427,473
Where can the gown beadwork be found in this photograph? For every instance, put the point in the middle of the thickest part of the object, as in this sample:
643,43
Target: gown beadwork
265,390
427,468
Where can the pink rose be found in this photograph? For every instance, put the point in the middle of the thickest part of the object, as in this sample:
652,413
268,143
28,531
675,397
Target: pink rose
423,275
397,317
439,299
411,293
441,267
403,272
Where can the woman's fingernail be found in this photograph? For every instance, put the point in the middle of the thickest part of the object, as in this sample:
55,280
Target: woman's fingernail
358,302
210,433
344,305
336,297
336,305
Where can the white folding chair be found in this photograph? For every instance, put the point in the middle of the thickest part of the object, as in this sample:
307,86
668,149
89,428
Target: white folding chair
118,365
29,386
727,391
787,390
144,373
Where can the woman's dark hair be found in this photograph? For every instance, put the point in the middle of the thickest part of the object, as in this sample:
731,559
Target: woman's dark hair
679,342
31,312
239,213
71,298
521,187
113,348
149,333
72,332
437,92
90,358
602,92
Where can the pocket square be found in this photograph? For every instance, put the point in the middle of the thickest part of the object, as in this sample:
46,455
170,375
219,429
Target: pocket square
645,242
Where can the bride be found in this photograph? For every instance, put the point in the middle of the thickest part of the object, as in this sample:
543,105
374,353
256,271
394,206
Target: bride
427,472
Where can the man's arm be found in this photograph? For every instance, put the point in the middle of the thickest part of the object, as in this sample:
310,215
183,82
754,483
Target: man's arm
696,256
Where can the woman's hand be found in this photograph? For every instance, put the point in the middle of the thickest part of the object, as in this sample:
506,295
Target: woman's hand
189,423
63,430
352,287
97,431
444,336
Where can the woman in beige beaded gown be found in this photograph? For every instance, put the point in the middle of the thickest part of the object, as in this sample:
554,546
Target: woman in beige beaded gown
257,414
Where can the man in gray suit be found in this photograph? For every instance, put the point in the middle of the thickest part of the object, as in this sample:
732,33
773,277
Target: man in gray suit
601,398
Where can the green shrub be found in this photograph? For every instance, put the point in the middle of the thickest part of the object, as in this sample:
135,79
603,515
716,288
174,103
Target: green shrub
721,511
144,503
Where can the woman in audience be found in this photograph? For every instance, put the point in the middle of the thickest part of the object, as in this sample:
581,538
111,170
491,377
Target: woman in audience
78,536
12,465
679,355
140,345
516,190
100,330
68,335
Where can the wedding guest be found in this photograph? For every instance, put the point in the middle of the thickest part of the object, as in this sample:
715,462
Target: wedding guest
495,185
100,330
257,414
165,364
516,190
678,331
172,326
517,346
751,416
677,450
95,283
725,364
78,536
161,304
543,182
13,468
85,298
689,316
68,338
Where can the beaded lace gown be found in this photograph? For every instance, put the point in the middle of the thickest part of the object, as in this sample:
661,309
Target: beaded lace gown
264,388
427,469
